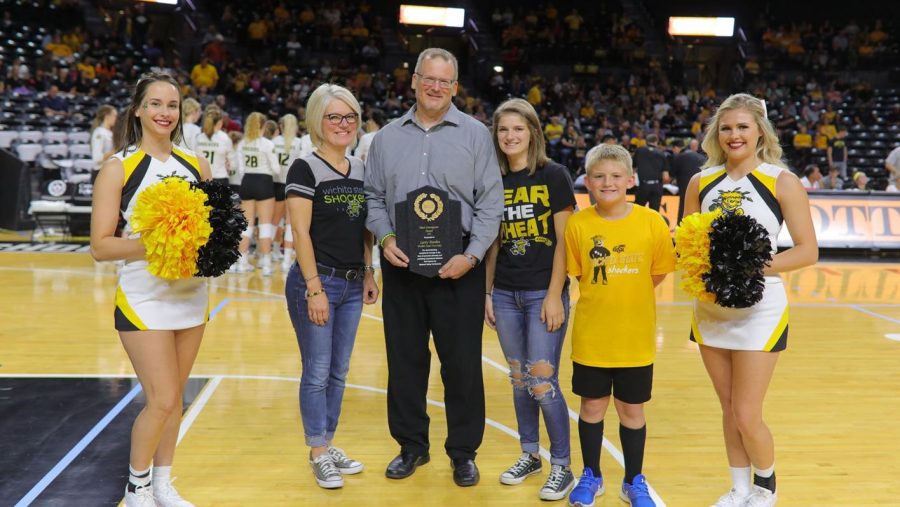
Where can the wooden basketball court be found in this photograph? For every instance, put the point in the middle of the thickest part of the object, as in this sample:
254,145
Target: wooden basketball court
832,406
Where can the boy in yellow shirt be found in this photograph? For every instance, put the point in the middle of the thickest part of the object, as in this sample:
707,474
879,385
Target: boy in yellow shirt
619,252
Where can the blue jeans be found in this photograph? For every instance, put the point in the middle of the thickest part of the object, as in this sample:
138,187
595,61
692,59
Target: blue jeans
324,351
526,343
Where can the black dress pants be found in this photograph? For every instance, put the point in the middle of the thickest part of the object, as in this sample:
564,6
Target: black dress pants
648,193
452,311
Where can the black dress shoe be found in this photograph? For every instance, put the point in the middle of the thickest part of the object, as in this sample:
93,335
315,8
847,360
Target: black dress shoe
465,473
405,464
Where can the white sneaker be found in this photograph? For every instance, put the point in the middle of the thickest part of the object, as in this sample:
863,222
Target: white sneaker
142,497
344,464
166,496
244,266
731,499
327,475
761,497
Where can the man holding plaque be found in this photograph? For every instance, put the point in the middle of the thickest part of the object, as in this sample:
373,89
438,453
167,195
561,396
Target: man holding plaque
435,198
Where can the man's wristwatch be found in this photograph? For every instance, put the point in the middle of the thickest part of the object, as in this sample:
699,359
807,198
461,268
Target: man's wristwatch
472,259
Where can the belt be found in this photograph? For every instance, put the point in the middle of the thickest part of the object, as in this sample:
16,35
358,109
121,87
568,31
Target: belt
346,274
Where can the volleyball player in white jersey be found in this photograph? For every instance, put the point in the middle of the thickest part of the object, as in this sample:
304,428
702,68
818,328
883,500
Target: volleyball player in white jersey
258,162
214,145
102,136
739,346
160,322
190,113
287,149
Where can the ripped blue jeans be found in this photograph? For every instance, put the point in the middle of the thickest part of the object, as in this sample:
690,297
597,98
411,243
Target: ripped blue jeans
533,356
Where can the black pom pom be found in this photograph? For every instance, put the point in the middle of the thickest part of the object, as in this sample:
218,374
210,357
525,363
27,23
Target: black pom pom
739,250
228,222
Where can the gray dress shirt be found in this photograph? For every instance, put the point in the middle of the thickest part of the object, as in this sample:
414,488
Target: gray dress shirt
456,155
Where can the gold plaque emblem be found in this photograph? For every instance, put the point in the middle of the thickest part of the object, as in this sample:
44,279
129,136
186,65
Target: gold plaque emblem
428,206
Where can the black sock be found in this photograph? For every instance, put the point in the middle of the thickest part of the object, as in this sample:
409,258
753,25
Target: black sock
765,482
633,450
591,437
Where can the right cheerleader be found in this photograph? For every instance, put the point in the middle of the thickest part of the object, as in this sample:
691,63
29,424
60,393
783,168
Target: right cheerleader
745,175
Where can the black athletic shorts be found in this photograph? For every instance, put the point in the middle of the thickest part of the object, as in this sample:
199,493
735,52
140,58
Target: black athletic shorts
257,187
631,385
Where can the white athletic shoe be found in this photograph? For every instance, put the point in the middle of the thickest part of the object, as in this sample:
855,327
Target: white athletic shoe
142,497
731,499
761,497
166,496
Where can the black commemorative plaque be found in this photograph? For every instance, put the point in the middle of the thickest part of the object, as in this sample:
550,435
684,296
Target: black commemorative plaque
429,229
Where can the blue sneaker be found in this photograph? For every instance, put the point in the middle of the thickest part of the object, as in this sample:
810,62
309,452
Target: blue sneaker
637,493
588,487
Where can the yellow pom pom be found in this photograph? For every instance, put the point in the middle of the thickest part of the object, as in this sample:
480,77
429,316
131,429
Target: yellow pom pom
692,247
173,221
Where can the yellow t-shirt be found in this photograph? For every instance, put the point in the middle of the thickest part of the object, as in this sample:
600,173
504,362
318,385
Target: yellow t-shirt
204,75
802,140
615,321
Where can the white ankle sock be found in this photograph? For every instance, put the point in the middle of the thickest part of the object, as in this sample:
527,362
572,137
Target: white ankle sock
765,472
740,479
162,474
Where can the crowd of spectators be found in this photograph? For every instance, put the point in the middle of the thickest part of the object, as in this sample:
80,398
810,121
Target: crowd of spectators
290,50
824,46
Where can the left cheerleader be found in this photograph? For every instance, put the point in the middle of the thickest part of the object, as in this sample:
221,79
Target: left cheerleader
160,322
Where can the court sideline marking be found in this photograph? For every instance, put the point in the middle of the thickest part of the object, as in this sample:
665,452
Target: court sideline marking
73,453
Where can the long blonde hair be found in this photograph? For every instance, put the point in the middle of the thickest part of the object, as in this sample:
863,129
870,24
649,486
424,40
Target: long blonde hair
102,112
288,126
767,148
211,117
253,127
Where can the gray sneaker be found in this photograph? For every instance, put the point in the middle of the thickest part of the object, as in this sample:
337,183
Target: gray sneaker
326,473
525,466
344,464
559,483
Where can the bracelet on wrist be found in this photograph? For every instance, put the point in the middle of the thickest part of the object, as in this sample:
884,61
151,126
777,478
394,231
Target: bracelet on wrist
312,277
472,259
369,269
386,236
313,294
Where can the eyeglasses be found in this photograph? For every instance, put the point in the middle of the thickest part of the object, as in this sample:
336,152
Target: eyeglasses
445,84
336,119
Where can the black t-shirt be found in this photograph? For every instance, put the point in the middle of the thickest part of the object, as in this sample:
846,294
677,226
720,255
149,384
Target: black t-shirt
527,232
338,209
837,149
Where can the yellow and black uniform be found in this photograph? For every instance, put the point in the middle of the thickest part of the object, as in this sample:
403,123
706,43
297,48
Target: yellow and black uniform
615,320
145,301
763,326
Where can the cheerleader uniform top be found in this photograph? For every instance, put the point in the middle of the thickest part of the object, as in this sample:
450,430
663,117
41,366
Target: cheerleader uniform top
145,301
764,326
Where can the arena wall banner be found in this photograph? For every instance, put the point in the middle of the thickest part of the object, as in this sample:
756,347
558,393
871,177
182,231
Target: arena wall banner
864,220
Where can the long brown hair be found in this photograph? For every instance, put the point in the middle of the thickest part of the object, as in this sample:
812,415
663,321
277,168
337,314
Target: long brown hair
131,132
537,154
